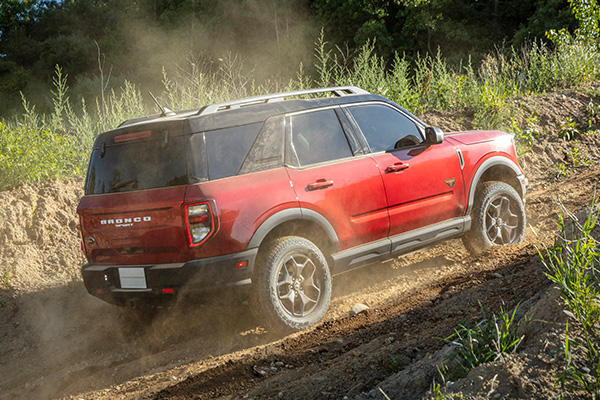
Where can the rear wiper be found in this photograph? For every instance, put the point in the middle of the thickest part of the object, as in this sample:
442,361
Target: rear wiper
122,184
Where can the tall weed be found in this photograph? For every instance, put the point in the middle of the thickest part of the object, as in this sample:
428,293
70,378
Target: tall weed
488,340
572,264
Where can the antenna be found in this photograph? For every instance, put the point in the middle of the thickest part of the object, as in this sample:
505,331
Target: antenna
164,111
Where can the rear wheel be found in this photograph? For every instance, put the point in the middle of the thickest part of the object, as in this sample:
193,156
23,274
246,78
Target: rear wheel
498,218
292,285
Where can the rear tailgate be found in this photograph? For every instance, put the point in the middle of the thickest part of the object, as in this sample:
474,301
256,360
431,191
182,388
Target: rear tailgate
136,227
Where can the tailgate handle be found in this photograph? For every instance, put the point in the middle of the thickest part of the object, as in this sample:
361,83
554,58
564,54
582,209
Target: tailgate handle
320,184
396,168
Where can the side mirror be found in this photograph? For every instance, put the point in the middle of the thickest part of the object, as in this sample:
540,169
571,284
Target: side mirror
434,135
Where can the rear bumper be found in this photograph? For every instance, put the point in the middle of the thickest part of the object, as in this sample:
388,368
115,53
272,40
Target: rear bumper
165,281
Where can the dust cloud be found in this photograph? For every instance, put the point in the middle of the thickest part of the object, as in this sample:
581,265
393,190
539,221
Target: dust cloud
267,39
57,339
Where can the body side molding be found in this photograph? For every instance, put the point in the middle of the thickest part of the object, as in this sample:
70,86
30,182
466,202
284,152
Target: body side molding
403,243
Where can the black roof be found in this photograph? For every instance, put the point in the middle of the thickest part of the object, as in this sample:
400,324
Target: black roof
240,112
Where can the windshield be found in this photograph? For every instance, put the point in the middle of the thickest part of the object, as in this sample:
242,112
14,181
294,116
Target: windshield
137,165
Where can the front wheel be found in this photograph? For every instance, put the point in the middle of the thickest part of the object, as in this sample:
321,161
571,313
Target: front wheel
498,218
292,285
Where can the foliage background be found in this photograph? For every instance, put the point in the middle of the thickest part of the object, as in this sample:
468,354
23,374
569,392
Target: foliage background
71,69
100,43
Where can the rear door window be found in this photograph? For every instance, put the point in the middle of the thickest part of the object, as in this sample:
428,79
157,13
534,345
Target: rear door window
318,136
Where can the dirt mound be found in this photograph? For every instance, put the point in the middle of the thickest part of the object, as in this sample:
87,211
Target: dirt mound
38,237
39,252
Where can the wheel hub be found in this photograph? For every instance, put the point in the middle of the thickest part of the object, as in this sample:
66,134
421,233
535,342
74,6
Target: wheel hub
503,224
297,285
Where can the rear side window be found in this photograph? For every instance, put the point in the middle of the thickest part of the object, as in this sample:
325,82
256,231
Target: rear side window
226,150
318,136
384,127
137,165
268,149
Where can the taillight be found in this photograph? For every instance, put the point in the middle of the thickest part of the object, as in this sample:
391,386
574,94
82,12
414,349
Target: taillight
199,222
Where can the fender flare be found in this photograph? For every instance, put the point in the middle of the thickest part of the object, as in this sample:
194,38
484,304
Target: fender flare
292,214
487,164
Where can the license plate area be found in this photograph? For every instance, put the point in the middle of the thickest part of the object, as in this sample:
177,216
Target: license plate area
132,278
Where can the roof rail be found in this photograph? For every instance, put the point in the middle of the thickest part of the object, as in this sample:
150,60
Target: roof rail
337,91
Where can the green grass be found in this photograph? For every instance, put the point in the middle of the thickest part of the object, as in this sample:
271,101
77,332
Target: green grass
486,341
526,136
6,278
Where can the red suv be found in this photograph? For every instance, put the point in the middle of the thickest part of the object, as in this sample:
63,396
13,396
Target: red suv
279,196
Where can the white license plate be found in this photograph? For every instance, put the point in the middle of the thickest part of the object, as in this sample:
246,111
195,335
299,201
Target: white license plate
132,278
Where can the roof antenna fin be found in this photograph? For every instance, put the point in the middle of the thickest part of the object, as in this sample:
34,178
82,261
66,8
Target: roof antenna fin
164,111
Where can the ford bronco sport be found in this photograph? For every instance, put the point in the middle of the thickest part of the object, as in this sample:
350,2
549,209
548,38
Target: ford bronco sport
279,193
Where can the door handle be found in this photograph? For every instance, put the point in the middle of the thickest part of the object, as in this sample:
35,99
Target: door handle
396,168
320,184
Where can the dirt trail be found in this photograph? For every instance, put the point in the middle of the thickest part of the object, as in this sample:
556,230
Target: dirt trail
59,341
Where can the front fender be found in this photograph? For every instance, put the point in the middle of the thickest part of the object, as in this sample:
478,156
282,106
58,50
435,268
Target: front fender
490,163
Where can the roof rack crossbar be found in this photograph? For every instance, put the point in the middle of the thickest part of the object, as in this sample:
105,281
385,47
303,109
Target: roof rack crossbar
337,91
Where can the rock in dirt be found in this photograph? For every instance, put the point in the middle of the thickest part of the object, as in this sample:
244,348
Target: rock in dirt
358,308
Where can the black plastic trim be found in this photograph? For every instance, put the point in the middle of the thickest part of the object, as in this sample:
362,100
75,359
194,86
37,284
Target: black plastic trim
403,243
487,164
416,239
206,274
349,259
291,214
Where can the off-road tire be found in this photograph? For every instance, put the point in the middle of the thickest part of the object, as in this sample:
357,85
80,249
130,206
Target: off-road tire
498,218
291,285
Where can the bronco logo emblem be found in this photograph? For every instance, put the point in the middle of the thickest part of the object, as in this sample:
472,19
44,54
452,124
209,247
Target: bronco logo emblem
124,222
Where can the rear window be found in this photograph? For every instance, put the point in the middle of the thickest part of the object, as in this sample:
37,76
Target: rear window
137,165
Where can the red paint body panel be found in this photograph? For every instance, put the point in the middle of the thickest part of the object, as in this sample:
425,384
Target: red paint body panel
418,194
163,239
354,204
157,237
474,137
242,203
478,146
